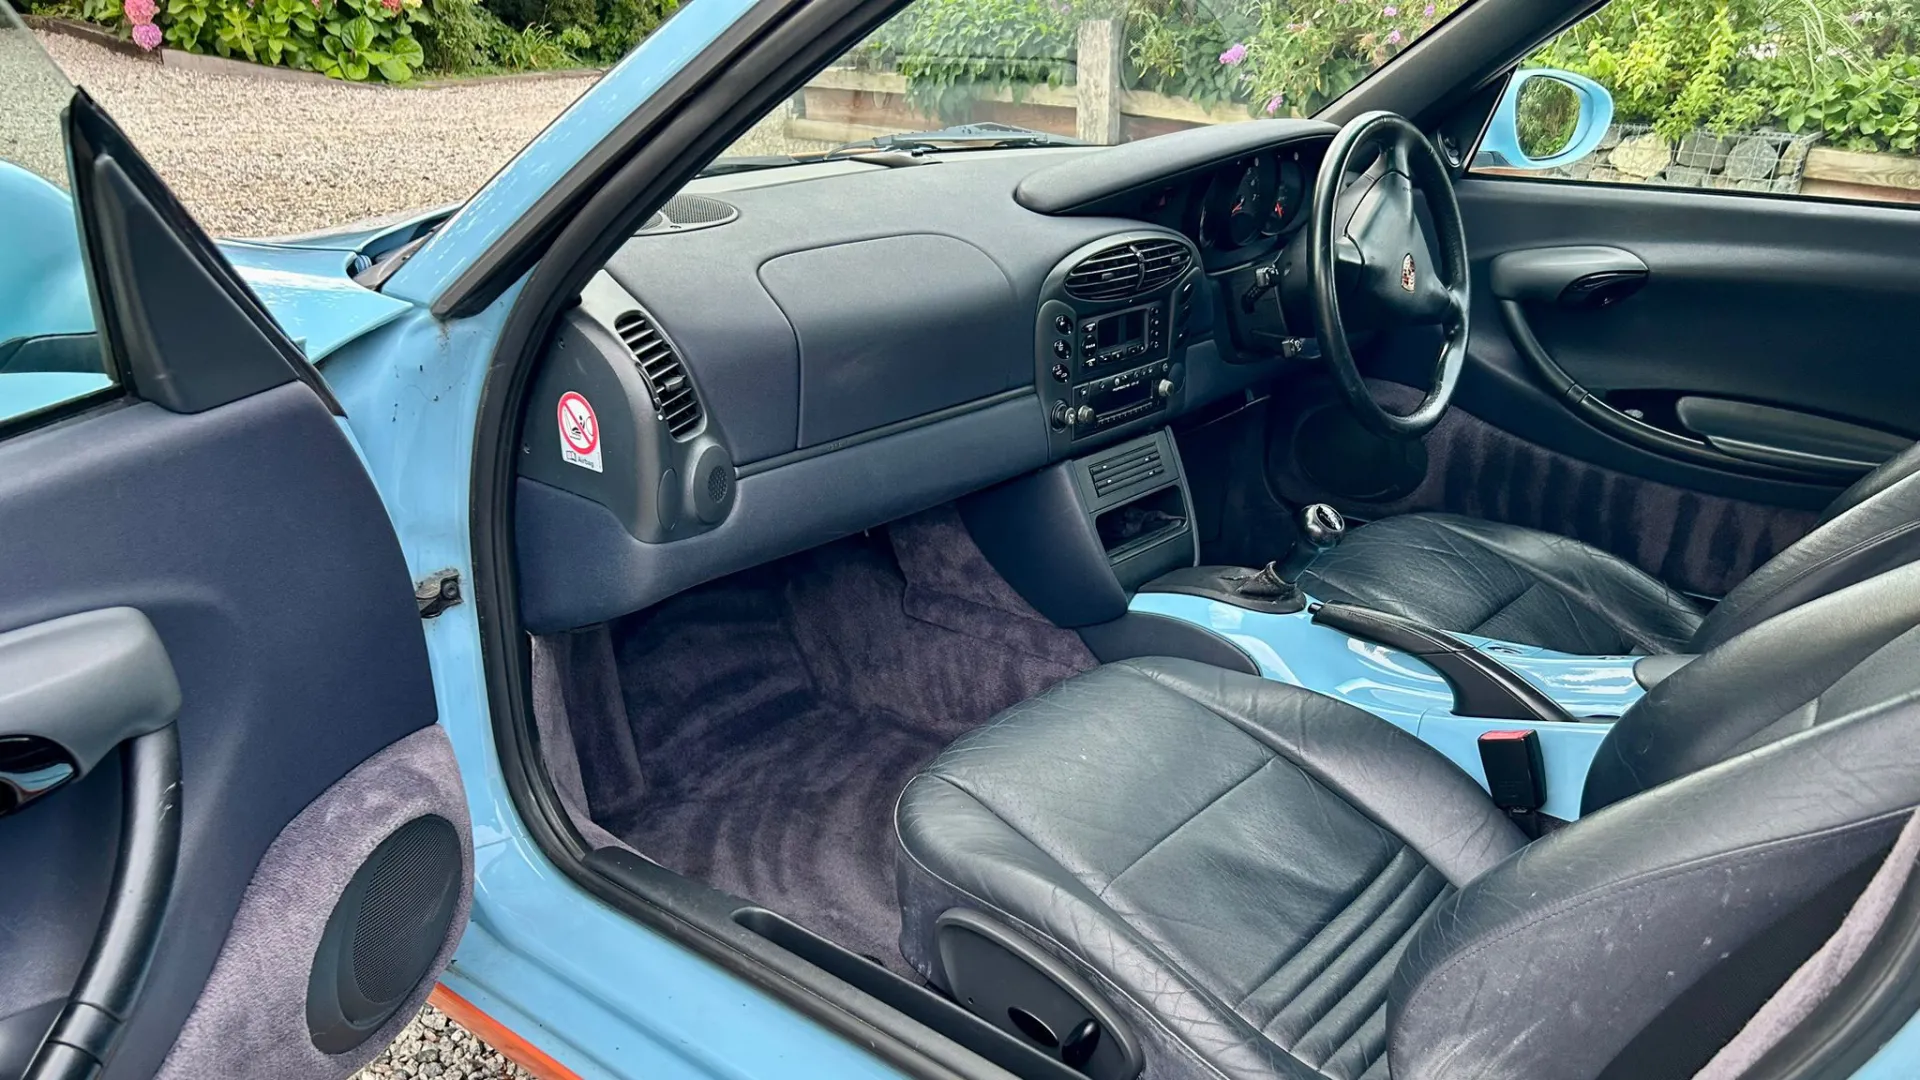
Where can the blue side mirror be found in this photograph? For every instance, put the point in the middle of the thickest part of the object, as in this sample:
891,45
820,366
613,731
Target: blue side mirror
1546,119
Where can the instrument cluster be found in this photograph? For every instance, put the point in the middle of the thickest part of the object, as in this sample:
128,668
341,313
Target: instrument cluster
1240,210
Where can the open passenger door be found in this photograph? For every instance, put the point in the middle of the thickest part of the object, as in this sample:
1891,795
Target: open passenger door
233,838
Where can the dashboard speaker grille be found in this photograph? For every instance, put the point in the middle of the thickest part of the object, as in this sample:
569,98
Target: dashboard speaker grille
665,376
687,212
1128,270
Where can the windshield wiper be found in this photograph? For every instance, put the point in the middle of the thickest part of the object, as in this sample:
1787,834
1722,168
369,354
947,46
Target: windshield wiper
724,166
986,136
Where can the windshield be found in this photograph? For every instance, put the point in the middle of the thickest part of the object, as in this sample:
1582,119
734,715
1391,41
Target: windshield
1093,71
255,151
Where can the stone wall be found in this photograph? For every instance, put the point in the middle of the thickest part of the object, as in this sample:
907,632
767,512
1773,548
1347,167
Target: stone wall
1768,161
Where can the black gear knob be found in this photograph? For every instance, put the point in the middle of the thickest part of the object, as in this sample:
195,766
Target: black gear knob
1321,528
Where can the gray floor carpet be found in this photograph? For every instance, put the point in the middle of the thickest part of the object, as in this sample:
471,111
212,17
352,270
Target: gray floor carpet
773,718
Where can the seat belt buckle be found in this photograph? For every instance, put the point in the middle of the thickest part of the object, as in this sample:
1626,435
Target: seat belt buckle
1516,774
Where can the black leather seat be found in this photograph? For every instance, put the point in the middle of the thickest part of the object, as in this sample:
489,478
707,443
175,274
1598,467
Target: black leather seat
1266,883
1523,585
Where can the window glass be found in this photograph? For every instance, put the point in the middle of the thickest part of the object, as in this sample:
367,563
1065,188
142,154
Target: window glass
1099,71
1782,97
49,353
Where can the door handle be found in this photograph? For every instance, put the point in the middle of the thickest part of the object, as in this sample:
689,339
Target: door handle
1588,276
73,690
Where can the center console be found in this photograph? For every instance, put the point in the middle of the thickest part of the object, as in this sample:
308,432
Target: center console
1105,543
1109,340
1077,538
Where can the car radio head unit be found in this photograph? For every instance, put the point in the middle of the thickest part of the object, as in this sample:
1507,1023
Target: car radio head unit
1122,335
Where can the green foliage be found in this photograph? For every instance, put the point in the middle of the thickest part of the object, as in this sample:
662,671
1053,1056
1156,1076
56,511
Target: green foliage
588,31
622,25
1291,55
956,51
358,40
1546,116
460,37
532,48
1871,108
1847,70
1174,47
390,40
1843,69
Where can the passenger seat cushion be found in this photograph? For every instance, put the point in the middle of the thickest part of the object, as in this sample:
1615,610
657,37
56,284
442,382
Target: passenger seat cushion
1505,582
1237,863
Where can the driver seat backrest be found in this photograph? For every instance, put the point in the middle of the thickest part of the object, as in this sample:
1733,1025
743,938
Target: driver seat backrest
1869,529
1733,814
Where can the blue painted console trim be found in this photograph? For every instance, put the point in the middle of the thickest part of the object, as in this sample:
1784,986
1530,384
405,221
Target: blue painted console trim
1399,687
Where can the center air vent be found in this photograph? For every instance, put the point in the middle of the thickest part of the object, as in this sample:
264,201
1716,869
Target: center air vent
1128,270
684,213
665,375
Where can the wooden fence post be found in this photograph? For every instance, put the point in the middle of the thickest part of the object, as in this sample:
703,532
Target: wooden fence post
1097,82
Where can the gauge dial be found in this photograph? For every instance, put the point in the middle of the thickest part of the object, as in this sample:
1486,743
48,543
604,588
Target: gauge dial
1242,201
1289,196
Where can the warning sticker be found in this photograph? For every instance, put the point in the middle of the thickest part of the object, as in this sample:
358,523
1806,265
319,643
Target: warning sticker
579,432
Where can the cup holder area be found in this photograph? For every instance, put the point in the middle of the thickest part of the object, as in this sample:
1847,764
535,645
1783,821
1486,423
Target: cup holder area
1134,527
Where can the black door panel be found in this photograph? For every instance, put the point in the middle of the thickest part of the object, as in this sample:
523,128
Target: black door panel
1795,304
242,533
1695,540
205,530
1690,418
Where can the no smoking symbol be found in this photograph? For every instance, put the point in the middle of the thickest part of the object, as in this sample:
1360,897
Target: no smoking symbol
577,423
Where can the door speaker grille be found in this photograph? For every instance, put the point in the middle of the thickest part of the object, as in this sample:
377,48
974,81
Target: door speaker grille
385,930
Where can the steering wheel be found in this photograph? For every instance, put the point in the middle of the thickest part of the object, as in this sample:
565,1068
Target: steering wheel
1370,257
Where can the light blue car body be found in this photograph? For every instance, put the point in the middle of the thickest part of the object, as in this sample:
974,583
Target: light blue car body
601,993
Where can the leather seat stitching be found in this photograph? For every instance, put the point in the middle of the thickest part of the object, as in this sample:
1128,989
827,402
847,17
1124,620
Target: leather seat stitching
1307,770
1395,950
1503,608
1280,964
1190,819
1567,590
1086,966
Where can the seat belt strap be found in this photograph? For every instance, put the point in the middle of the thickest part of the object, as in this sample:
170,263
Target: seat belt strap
1810,985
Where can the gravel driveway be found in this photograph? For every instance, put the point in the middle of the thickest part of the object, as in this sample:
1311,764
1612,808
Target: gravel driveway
256,157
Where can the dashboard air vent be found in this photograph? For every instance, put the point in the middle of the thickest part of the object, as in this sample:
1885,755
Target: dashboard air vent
1128,270
665,375
1160,262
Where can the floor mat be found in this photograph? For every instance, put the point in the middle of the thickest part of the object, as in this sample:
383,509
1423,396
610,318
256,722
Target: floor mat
775,716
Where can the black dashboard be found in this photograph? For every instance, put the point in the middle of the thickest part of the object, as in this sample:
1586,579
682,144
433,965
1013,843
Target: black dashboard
780,358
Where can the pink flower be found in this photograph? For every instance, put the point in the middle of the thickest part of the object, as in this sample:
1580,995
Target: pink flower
1390,11
1429,12
1393,38
147,36
1234,55
391,5
1274,103
140,11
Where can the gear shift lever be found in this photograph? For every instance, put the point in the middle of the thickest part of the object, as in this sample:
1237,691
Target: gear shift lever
1275,588
1321,528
